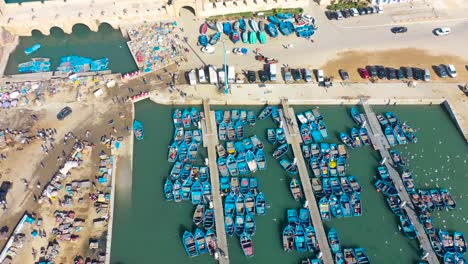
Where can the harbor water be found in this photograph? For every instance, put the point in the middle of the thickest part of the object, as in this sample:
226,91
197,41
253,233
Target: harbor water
148,229
107,42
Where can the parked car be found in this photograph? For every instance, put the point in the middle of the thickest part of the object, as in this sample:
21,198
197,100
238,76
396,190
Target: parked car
427,75
364,73
263,76
372,71
397,30
391,73
296,74
362,11
307,75
408,72
346,13
66,111
381,72
379,9
320,76
287,75
339,15
343,74
418,74
251,76
330,15
400,74
375,10
354,12
452,72
441,71
370,10
442,31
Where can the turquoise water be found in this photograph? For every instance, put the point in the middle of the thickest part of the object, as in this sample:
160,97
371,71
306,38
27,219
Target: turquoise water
149,230
107,42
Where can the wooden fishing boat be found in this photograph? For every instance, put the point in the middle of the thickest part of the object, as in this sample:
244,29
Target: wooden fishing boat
227,28
32,49
273,20
271,135
407,227
336,186
208,219
245,36
186,171
168,187
253,25
247,245
260,158
222,131
386,188
249,227
286,27
426,222
392,118
243,117
186,119
339,258
234,36
355,139
399,135
299,239
448,199
221,150
280,136
315,150
262,37
437,199
235,186
335,206
232,165
227,116
361,256
260,204
192,152
436,244
389,135
215,38
257,144
315,132
239,128
409,132
242,164
197,136
324,207
186,188
207,194
346,205
356,204
323,129
203,40
341,166
200,241
231,149
334,154
324,167
176,170
179,135
346,186
288,238
304,217
235,115
249,203
138,130
306,152
275,115
231,131
239,225
196,192
346,140
272,30
248,144
394,202
222,167
211,241
408,180
295,188
317,187
251,118
349,256
396,157
289,166
242,24
384,174
342,151
311,239
305,134
334,241
356,116
426,197
252,37
219,116
449,258
177,191
266,112
364,136
204,28
198,214
281,151
229,225
224,185
244,186
382,120
189,244
188,136
253,185
229,204
293,218
459,241
418,202
447,241
251,163
325,150
240,206
304,31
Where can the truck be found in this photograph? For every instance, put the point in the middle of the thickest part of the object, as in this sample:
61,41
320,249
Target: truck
231,74
192,77
273,72
213,75
201,75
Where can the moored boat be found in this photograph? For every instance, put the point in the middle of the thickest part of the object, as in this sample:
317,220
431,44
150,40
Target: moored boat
247,245
266,112
239,127
200,241
196,192
281,151
385,187
253,24
260,204
355,139
459,241
356,204
293,218
260,158
346,139
447,241
299,239
447,198
32,49
335,206
251,118
354,183
346,205
198,214
427,224
262,37
189,244
333,240
364,136
239,225
280,136
240,207
211,241
186,189
394,202
275,115
288,238
305,134
168,187
306,152
324,207
138,130
397,158
271,135
215,38
222,131
251,163
249,203
289,166
302,119
253,185
356,116
229,225
311,239
222,167
426,197
295,188
389,135
272,30
408,180
407,227
221,150
391,117
176,191
436,244
229,204
249,227
304,217
437,199
232,165
361,256
382,120
208,219
349,256
252,37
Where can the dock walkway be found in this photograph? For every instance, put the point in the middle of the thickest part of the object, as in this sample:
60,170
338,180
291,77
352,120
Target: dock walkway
293,137
210,140
382,146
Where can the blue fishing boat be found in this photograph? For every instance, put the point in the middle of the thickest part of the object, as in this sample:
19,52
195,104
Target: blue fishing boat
447,198
272,30
32,49
288,238
299,239
192,152
356,116
275,115
273,20
239,225
407,227
304,217
305,31
203,40
389,135
364,136
242,164
240,206
284,15
289,166
437,199
186,119
196,192
293,218
426,197
247,245
382,120
339,258
459,241
239,128
271,135
168,187
346,139
346,186
326,186
231,131
189,244
361,256
266,112
260,158
244,186
176,170
240,148
248,144
197,136
315,149
179,135
286,27
195,115
449,258
208,219
227,28
314,165
232,165
224,185
324,167
260,204
408,181
336,186
249,203
354,183
436,244
332,168
252,37
173,150
243,117
177,191
138,130
447,241
177,118
305,134
186,189
235,36
391,117
249,227
253,24
262,37
253,186
399,135
295,188
242,24
384,174
311,239
281,151
346,205
356,204
306,152
386,188
335,206
341,166
219,116
251,118
229,204
349,255
200,241
235,115
396,157
334,241
188,136
324,207
207,194
394,202
355,139
280,136
215,38
229,225
426,220
222,167
198,214
409,132
245,36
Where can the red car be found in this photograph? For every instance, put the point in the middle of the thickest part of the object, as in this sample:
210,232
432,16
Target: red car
364,73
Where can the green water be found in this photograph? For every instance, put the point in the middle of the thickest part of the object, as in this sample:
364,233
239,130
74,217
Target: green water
22,1
149,230
107,42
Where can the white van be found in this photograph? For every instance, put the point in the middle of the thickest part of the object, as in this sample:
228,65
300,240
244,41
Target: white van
273,72
201,75
319,75
307,75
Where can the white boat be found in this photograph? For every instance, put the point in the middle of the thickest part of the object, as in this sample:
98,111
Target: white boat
208,49
302,118
213,75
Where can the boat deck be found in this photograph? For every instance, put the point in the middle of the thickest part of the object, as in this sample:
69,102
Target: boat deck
382,146
293,137
210,140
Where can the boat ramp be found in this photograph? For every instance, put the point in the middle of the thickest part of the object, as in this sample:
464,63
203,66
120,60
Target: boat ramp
381,144
293,137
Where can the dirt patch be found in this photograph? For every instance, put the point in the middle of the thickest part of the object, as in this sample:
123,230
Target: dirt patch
352,60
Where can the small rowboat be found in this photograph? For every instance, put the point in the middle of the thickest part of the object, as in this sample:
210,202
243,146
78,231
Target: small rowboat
235,37
245,36
215,38
203,40
296,190
272,30
189,243
252,37
32,49
262,37
204,28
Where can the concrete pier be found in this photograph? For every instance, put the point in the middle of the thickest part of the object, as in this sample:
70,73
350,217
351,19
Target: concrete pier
382,146
210,140
294,139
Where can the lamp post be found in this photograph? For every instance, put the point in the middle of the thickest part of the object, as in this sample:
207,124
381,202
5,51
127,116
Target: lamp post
226,87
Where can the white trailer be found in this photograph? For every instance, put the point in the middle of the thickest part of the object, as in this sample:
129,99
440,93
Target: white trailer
213,75
201,75
231,74
273,72
192,77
